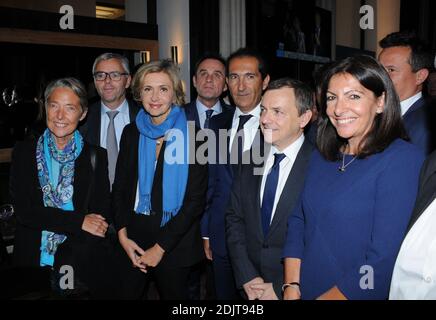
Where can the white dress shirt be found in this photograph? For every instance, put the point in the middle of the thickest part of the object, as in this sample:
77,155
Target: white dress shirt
251,127
414,275
201,111
286,165
120,121
406,104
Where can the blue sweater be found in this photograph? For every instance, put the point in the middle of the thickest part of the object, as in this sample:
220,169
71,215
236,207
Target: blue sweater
351,223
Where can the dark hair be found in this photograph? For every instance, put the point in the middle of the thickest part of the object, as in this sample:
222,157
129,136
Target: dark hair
303,93
387,126
209,55
318,80
420,57
248,52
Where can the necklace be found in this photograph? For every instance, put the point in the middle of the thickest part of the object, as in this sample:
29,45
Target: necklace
342,168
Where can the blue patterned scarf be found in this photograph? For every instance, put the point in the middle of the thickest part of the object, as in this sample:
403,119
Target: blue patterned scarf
56,177
175,167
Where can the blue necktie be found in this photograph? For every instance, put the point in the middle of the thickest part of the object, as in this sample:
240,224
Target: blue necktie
269,192
207,120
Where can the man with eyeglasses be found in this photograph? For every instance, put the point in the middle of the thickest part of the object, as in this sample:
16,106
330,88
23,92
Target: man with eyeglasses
107,118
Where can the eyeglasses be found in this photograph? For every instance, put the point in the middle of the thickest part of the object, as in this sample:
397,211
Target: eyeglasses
114,75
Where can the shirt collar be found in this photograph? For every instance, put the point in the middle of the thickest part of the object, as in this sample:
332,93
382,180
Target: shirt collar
406,104
255,112
122,108
290,151
201,108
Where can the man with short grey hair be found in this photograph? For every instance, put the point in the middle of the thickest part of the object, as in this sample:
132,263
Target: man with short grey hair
108,117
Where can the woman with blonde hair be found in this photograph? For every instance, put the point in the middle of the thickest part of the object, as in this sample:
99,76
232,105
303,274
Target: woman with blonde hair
158,196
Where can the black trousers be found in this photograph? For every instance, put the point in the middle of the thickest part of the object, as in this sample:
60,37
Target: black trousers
93,261
172,282
225,284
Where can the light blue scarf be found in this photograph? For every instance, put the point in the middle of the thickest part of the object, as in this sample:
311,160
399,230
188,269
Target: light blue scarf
175,166
56,177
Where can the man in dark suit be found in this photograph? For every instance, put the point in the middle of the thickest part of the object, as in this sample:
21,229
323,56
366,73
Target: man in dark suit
209,80
408,63
107,118
414,271
247,77
264,194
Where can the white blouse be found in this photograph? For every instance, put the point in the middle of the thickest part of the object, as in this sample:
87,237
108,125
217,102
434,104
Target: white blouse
414,275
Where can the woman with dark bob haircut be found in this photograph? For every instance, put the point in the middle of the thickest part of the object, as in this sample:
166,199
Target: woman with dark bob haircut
359,193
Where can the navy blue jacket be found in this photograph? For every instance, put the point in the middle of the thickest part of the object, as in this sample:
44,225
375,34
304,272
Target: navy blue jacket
220,184
192,114
418,124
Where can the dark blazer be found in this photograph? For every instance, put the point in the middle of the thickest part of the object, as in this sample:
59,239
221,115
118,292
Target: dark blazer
253,255
91,127
180,237
213,221
192,112
418,122
427,189
82,250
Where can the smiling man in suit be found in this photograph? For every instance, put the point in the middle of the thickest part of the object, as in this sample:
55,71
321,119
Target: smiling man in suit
247,77
256,219
107,118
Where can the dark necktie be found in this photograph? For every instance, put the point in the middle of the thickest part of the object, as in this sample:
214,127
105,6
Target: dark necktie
207,120
238,141
111,145
269,192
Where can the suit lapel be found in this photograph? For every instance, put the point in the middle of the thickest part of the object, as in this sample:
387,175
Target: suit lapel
227,120
293,186
133,110
226,107
196,115
257,183
418,104
425,198
94,124
222,121
82,177
254,183
193,110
